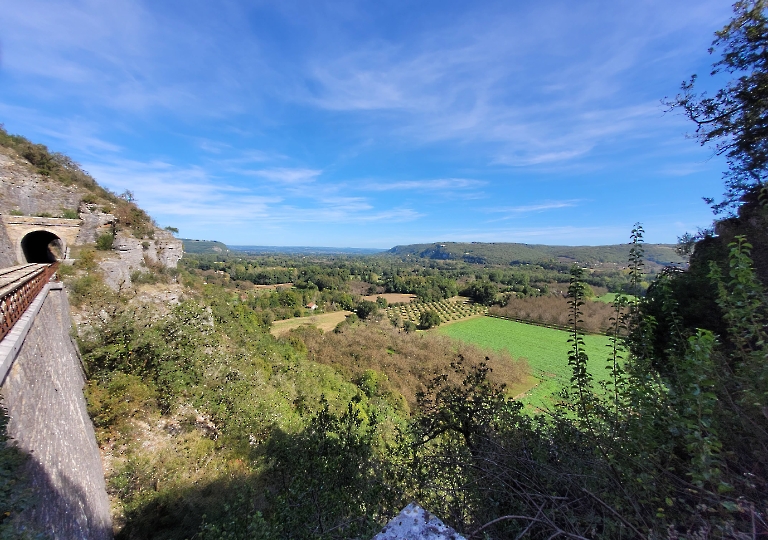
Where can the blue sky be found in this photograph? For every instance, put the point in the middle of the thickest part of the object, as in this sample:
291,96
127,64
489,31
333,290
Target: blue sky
371,124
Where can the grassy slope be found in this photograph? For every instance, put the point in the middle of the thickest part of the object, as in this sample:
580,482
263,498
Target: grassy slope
545,349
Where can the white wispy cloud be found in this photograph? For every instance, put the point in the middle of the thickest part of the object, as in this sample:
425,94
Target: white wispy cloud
285,175
538,207
483,81
192,196
438,184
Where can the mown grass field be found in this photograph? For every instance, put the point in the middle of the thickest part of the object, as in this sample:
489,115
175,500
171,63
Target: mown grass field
611,297
546,350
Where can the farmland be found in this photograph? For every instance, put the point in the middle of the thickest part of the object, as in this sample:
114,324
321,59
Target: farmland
392,298
546,350
324,321
449,310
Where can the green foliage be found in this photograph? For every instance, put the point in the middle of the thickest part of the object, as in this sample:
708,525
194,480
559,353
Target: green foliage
90,289
138,277
366,308
469,409
734,119
68,213
581,379
482,292
326,477
428,319
16,212
104,241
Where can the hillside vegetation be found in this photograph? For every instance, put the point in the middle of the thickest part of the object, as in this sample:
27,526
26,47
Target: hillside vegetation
515,254
211,427
61,169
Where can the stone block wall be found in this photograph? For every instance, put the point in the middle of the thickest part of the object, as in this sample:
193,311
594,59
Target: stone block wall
43,394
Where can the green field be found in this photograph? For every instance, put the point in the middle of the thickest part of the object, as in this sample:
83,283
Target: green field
546,350
611,297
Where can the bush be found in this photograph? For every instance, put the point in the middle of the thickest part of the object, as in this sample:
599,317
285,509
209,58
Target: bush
366,308
104,241
139,277
86,260
428,319
70,214
89,289
16,212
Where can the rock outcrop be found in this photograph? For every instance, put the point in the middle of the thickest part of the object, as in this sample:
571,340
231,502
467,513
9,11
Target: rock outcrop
93,223
138,255
24,190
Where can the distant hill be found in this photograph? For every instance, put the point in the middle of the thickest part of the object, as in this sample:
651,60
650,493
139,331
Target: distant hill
203,246
510,253
306,250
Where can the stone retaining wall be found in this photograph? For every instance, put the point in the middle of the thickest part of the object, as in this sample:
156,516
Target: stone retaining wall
43,394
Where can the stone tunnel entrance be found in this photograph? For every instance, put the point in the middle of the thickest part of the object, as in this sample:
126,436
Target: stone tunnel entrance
42,247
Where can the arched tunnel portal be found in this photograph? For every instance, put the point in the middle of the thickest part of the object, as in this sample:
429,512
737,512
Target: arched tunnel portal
42,247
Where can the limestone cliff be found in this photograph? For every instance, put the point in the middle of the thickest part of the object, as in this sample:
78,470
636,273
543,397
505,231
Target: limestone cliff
26,192
137,255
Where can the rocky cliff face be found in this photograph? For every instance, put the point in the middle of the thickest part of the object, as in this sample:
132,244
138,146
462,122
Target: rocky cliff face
138,255
25,192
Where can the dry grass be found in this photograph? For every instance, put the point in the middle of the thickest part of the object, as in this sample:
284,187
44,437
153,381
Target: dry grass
554,310
408,360
325,322
273,287
392,298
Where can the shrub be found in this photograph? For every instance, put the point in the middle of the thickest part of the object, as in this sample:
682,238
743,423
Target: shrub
16,212
366,308
139,277
69,214
89,289
104,241
86,260
428,319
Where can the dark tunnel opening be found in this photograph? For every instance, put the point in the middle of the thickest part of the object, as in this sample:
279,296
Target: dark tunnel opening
41,247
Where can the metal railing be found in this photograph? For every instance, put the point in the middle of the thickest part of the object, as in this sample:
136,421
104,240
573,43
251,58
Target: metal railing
17,296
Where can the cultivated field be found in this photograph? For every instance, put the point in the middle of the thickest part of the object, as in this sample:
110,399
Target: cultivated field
392,298
325,322
273,287
546,350
452,309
